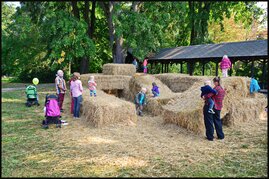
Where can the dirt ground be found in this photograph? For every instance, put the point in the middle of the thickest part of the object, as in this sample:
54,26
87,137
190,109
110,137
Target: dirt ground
107,149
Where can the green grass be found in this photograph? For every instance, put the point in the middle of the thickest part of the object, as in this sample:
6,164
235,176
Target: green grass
30,151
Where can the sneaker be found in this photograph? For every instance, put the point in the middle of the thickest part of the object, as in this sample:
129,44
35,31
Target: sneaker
65,124
211,111
209,139
45,126
62,110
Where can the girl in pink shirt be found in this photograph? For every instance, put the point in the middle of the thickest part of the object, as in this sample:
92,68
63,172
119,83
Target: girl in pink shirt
145,63
225,64
76,90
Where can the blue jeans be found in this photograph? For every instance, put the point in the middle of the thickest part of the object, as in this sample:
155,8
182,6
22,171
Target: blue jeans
77,101
212,120
210,103
92,92
155,94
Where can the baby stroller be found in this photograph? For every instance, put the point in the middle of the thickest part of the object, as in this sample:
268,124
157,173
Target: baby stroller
31,95
52,112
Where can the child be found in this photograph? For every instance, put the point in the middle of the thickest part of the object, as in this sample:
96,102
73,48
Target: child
92,86
254,86
155,90
225,64
135,63
145,63
206,90
70,81
77,90
140,100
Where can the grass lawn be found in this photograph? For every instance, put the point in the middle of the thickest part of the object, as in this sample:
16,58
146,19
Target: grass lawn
148,149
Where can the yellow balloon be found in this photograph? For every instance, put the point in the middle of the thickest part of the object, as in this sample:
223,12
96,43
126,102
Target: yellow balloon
35,81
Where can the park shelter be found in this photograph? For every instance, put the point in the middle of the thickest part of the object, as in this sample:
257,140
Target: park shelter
245,51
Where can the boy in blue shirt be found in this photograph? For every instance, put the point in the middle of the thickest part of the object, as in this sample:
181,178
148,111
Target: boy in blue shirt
140,100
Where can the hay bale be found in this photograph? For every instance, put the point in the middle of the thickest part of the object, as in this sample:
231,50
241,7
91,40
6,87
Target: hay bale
154,105
186,109
179,83
119,69
243,110
106,110
107,82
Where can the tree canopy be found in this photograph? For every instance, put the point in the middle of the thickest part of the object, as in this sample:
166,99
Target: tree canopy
38,38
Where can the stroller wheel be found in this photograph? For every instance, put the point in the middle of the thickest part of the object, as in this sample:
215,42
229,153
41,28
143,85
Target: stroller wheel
58,126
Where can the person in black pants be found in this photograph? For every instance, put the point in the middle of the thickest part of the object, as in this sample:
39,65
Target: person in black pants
212,120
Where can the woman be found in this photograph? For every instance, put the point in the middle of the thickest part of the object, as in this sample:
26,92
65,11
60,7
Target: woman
76,90
60,87
212,120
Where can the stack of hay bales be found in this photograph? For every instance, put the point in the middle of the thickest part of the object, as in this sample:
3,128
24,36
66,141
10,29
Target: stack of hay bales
119,69
239,105
186,109
109,82
179,83
154,105
106,110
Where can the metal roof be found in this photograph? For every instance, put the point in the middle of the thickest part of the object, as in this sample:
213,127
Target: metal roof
245,49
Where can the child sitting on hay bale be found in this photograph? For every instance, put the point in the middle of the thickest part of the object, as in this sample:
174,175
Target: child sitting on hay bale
92,86
140,100
206,90
155,90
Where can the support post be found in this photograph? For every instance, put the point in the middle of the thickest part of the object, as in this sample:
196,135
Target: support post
263,74
252,69
231,69
203,69
181,67
162,67
217,68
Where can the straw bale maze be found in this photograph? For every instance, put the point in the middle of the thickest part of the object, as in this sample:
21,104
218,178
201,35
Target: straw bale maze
179,103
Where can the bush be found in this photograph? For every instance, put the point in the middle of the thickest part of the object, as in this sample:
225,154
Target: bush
43,74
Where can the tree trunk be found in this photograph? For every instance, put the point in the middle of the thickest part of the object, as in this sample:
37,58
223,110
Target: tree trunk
191,15
75,9
92,19
115,42
119,51
86,16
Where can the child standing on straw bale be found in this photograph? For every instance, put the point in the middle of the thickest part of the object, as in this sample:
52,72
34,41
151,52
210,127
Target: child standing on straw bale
155,90
140,101
145,63
225,64
207,89
92,86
